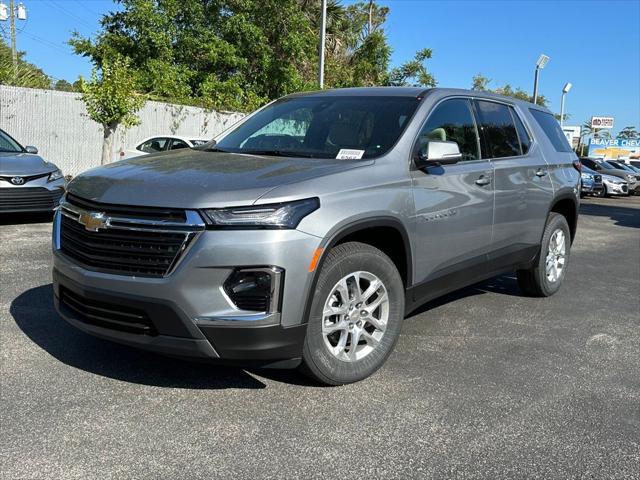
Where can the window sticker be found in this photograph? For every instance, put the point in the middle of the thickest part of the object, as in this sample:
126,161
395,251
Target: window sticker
346,154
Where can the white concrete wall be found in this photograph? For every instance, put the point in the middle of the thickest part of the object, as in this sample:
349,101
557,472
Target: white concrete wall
57,124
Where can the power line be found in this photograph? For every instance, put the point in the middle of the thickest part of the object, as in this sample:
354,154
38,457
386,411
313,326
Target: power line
46,42
83,22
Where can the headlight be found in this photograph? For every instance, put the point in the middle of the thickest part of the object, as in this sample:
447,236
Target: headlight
55,175
587,176
277,215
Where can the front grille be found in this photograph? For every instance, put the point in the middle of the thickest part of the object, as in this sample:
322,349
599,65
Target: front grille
145,213
28,199
136,241
624,188
107,315
26,178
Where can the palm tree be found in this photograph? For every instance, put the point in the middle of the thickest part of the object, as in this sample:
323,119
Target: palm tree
628,132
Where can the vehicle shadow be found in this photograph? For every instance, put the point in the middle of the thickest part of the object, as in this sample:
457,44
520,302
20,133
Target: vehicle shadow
25,218
503,284
35,315
623,216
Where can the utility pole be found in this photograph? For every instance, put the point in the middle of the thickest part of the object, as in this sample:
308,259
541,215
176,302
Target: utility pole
14,12
323,28
12,32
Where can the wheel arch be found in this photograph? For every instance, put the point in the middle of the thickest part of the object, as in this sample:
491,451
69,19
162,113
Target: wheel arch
396,244
567,205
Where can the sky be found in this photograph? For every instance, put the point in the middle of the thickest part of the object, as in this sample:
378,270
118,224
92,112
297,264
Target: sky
593,44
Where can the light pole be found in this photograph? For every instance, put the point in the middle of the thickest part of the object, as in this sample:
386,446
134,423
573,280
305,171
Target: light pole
323,28
565,90
540,64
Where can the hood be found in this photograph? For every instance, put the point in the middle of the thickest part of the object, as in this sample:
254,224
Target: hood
613,178
199,179
614,172
24,164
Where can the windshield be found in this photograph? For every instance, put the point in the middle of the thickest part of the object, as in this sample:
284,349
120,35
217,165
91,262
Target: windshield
323,127
8,144
622,166
604,164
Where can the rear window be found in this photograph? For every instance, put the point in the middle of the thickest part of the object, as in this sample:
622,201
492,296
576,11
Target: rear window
499,129
552,130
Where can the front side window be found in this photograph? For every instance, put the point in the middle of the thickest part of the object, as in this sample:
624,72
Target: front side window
452,121
177,144
552,130
322,126
499,129
154,145
8,144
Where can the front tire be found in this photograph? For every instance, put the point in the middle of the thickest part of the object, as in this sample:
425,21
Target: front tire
355,317
544,278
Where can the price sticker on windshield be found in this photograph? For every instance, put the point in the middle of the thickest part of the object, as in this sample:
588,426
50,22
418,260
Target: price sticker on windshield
346,154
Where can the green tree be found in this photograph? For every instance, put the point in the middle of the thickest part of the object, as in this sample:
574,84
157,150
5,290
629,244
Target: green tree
24,75
111,99
234,54
240,54
63,86
413,72
627,133
481,83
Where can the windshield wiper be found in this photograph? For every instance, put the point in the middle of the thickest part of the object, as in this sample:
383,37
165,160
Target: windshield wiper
278,153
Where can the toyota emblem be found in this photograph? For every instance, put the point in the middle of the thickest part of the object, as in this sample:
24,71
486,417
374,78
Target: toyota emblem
17,180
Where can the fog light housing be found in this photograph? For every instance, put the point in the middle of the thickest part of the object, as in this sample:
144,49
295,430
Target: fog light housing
257,289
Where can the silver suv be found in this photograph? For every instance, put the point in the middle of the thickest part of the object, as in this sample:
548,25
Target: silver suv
306,233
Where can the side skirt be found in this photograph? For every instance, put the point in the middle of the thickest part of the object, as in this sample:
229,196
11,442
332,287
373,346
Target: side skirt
493,264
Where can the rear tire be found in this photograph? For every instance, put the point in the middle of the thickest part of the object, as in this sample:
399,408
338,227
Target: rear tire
359,297
544,278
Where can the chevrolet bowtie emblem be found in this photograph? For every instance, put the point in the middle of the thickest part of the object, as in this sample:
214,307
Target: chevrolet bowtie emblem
93,221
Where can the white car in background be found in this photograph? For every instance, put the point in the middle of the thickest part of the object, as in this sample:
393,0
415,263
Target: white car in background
162,143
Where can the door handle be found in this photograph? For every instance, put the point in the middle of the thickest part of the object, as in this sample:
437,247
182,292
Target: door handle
541,173
482,181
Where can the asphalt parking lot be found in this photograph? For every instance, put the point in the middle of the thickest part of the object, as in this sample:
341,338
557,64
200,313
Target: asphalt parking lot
484,383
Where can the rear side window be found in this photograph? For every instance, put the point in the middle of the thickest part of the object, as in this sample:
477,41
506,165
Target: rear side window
499,129
552,130
523,135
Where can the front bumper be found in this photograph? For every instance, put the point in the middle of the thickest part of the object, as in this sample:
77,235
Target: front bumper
190,314
35,196
617,189
591,188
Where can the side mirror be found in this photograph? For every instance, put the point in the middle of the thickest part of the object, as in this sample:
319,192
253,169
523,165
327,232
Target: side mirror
437,152
31,149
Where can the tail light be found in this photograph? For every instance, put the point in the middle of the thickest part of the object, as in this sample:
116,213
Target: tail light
577,165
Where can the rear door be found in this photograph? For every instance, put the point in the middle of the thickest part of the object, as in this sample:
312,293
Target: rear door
454,203
523,189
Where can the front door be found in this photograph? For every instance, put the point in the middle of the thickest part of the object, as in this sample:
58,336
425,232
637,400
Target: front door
453,203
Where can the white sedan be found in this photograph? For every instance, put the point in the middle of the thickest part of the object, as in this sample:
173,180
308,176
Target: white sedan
161,143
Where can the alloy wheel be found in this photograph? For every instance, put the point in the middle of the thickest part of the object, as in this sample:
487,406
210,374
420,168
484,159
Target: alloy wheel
556,256
355,316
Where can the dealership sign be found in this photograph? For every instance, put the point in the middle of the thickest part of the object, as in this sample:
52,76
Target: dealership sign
615,148
601,122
